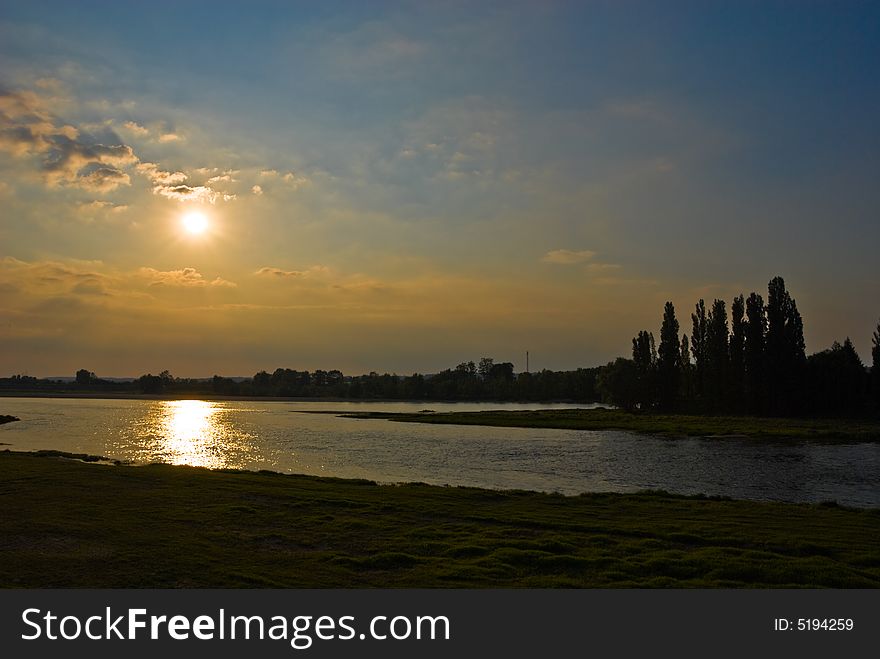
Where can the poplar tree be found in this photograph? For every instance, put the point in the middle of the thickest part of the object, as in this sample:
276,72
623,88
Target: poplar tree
785,349
875,366
755,332
668,360
737,356
698,349
645,359
686,375
717,358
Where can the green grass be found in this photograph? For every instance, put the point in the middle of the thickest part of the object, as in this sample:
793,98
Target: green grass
67,523
668,425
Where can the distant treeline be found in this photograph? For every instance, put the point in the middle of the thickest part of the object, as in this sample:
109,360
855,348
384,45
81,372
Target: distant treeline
484,380
755,365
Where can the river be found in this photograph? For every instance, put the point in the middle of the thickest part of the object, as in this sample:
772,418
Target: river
279,436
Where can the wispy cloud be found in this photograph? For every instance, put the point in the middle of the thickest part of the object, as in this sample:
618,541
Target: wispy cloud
568,256
158,176
268,271
136,129
185,277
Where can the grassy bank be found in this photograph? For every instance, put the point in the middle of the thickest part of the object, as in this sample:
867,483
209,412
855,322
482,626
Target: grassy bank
72,524
668,425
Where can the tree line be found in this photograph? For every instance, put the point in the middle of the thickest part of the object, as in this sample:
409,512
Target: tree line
483,380
751,362
755,362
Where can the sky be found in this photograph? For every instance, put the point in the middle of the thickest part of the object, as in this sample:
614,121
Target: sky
405,186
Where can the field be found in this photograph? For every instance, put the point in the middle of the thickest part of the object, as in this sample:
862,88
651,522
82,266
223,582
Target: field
69,523
668,425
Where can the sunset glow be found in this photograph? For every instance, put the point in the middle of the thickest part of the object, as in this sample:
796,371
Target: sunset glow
195,223
402,189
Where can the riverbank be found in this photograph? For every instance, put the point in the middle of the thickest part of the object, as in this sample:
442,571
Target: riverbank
670,425
75,524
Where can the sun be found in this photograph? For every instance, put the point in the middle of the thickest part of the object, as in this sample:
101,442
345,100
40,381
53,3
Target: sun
195,223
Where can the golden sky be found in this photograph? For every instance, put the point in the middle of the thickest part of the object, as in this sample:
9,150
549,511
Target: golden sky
406,187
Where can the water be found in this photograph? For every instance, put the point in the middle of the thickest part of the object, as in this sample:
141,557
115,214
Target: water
278,436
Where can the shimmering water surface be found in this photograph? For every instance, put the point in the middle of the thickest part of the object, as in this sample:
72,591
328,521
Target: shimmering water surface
278,436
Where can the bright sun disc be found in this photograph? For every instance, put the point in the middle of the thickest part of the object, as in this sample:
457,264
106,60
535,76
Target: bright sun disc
195,222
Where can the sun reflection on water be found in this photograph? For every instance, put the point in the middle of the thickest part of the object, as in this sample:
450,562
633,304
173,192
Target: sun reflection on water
193,434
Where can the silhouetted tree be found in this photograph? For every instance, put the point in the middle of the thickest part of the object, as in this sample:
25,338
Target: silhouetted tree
875,367
645,359
754,353
485,367
151,384
836,381
699,349
84,377
686,369
785,349
717,358
737,354
618,383
668,360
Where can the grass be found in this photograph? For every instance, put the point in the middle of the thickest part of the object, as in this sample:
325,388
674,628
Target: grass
68,523
668,425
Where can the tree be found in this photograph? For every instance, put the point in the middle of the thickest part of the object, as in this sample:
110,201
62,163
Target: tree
645,359
836,381
84,376
717,359
698,349
618,383
737,353
785,349
875,367
484,369
753,353
668,360
686,374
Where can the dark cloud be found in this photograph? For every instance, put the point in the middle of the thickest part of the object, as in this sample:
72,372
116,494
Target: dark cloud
103,179
69,156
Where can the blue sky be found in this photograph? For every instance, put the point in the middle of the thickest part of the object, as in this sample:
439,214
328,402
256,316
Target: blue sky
402,186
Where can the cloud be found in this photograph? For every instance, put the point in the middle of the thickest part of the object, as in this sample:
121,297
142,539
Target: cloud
103,179
100,206
602,267
225,177
268,271
95,162
36,278
257,190
295,181
186,193
69,156
136,129
68,161
26,126
269,173
186,277
158,176
567,256
171,185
